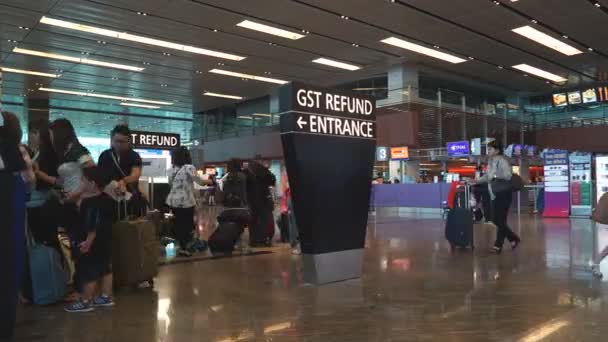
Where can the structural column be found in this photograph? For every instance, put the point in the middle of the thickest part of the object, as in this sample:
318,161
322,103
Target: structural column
38,109
402,83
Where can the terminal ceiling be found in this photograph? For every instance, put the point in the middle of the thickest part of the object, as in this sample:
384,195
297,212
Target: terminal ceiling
349,31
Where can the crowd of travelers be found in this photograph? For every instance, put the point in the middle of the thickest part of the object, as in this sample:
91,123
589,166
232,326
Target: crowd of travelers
58,206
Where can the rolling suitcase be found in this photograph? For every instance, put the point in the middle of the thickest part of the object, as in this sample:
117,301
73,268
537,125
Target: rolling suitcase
459,225
135,252
224,238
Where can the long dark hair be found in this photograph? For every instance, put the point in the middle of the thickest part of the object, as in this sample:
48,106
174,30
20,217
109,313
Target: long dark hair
10,139
180,157
63,135
47,159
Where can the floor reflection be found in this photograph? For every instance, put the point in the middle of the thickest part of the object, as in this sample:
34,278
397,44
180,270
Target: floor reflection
413,289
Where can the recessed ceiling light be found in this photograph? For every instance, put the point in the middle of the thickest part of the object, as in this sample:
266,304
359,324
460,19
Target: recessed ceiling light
546,40
336,64
226,96
127,104
275,31
247,76
12,41
264,115
540,73
423,50
142,13
24,28
76,59
244,117
103,96
598,5
28,72
138,39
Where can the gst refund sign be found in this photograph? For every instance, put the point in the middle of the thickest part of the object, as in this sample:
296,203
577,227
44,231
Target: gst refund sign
331,113
154,140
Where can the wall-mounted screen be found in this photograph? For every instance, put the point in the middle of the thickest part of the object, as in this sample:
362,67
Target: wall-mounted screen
574,97
589,96
560,100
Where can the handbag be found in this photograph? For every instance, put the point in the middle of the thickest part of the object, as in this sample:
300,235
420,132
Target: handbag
600,214
500,185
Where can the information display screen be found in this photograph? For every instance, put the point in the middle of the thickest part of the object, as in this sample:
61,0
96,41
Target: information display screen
557,198
589,96
560,100
574,97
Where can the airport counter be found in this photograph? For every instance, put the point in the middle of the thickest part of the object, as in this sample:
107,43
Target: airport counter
409,195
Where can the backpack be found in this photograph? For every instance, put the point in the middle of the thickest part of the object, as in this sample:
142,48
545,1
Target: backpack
235,190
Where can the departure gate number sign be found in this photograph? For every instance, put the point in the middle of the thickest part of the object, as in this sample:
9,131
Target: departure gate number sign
325,113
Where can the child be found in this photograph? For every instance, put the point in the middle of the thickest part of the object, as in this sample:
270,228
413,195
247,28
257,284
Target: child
94,245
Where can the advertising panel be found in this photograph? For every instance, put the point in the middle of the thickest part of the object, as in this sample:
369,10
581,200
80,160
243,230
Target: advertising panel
580,184
601,174
400,153
560,100
458,149
557,190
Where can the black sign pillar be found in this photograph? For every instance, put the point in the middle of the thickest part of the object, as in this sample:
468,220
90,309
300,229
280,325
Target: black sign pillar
329,141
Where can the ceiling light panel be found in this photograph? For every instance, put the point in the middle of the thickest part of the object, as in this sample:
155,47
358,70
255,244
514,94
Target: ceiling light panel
138,39
28,72
275,31
103,96
336,64
540,73
138,105
226,96
248,76
76,59
423,50
546,40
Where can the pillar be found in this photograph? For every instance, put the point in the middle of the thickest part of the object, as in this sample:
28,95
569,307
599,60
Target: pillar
37,109
402,83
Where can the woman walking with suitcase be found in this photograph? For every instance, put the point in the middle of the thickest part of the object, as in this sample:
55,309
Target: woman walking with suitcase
500,188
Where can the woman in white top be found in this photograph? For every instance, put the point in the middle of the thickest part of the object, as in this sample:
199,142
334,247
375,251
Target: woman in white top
72,158
498,178
181,197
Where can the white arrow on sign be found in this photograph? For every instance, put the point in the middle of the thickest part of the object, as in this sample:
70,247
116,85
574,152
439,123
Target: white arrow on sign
301,122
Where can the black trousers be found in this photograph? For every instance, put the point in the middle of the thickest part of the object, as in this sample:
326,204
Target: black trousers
482,195
501,205
184,225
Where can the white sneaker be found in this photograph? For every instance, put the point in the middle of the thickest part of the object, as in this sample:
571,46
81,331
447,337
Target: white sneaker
296,251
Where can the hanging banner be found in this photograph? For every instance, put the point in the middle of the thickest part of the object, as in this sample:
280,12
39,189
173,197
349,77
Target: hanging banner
580,184
557,189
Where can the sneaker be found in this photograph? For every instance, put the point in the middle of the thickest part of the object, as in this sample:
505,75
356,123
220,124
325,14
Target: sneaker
296,251
104,301
79,306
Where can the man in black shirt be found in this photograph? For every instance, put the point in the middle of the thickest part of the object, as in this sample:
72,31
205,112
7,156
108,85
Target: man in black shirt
122,162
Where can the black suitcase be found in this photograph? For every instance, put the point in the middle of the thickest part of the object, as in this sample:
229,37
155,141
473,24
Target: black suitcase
459,224
225,237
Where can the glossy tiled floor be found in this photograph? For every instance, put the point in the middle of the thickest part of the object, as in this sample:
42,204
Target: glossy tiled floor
412,290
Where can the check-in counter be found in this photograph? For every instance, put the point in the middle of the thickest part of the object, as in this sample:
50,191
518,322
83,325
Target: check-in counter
409,195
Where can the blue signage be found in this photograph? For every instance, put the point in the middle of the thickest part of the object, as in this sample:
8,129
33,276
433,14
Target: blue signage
458,149
381,153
